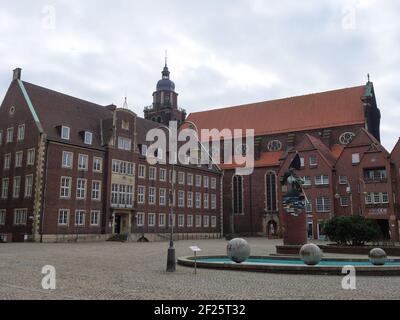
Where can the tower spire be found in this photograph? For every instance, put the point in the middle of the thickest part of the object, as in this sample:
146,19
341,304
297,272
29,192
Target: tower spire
166,58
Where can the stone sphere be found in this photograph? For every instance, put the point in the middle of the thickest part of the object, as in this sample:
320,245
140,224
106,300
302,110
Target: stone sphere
377,257
238,250
311,254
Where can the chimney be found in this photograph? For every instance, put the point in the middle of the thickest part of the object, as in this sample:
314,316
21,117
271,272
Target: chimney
17,74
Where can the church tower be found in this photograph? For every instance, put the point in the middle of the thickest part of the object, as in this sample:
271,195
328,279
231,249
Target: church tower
165,102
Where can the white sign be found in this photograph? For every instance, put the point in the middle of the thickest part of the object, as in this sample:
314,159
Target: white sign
195,249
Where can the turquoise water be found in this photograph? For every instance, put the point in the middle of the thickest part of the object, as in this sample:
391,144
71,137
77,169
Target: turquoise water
299,262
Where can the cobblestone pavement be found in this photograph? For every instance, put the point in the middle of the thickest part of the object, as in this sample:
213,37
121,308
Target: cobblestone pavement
137,271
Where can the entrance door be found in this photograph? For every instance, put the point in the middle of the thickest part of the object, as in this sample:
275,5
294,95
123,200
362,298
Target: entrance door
384,225
117,229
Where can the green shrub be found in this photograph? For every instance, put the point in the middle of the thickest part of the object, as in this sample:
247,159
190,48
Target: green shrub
352,230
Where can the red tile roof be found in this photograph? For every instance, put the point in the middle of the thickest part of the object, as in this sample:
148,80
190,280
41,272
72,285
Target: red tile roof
267,159
319,110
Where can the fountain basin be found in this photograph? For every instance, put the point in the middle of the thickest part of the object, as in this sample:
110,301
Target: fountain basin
290,265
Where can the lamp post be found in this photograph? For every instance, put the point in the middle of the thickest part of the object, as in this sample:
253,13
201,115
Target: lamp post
171,260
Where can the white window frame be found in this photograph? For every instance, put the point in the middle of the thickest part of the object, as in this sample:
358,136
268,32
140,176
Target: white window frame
65,133
162,197
20,217
181,221
198,181
214,183
30,157
152,173
5,186
213,221
140,219
181,198
190,179
206,221
69,188
66,155
343,180
325,201
97,215
97,191
163,175
152,196
97,161
21,132
142,171
198,221
190,199
82,217
88,138
80,158
355,158
64,214
161,220
312,163
322,180
80,189
7,161
17,187
181,178
141,195
189,221
19,155
151,220
206,182
198,200
206,201
10,135
28,186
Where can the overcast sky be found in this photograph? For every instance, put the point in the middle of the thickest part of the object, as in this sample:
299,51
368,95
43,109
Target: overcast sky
221,53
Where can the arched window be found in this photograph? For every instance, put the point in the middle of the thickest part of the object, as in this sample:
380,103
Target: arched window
270,190
237,190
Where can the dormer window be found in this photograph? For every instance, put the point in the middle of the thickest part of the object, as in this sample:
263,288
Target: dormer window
144,150
65,132
88,137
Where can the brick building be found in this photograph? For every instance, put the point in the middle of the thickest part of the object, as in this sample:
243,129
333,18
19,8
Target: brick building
72,169
345,168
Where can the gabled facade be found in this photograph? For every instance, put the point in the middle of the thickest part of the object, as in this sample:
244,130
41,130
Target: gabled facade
74,170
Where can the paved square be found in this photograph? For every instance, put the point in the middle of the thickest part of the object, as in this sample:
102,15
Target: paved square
137,271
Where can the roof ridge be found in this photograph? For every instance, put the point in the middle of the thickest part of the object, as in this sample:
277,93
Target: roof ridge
279,99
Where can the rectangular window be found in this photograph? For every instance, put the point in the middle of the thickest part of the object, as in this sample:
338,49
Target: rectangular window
125,125
181,178
18,159
88,137
2,217
151,220
63,217
162,197
97,164
20,217
198,181
141,194
67,161
30,159
313,161
81,189
377,197
302,163
343,180
213,201
172,176
95,218
181,199
124,144
152,173
16,187
143,150
322,180
28,186
213,222
198,200
163,174
65,189
114,194
206,201
10,135
198,221
96,190
323,204
190,221
21,132
4,188
206,182
213,183
385,198
190,179
83,160
152,195
7,161
181,221
142,171
344,201
80,218
309,207
140,219
65,133
355,158
161,220
206,221
369,198
190,199
307,181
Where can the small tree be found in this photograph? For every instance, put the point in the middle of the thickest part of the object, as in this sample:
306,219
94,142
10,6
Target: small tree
352,230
